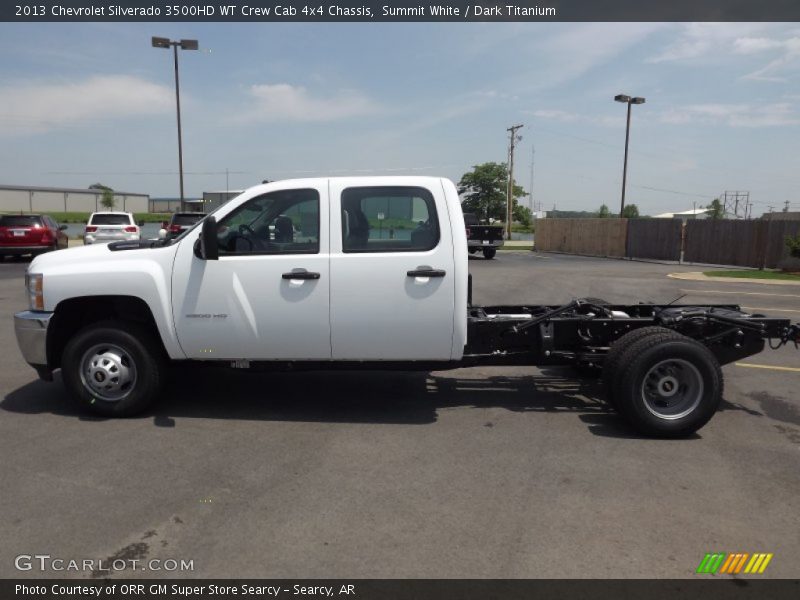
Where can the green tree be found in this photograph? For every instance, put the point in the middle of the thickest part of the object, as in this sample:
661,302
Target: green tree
523,215
717,211
484,190
631,211
603,213
107,201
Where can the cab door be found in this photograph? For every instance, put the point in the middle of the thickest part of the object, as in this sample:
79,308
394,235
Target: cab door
267,297
392,270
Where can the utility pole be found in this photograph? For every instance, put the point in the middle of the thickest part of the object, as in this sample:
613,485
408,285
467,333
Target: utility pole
513,139
786,206
530,190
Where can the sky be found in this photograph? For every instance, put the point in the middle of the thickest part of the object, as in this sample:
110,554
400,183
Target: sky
94,102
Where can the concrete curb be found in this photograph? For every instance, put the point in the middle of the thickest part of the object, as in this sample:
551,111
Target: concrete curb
698,276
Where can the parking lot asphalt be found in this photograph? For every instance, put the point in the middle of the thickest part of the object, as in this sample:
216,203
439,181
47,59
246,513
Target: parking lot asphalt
482,472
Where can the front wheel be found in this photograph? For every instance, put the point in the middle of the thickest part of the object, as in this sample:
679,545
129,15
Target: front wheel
113,368
488,253
670,387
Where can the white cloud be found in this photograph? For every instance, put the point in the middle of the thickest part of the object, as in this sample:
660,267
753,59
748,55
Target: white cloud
38,107
285,102
789,55
751,45
581,47
701,40
735,115
703,43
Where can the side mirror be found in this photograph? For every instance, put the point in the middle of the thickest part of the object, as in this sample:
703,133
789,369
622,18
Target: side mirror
162,233
209,246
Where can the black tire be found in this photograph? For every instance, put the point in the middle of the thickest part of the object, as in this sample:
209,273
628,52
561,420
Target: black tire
614,357
107,346
472,250
670,387
488,253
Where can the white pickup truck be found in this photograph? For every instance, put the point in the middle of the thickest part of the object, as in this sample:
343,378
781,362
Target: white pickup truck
352,272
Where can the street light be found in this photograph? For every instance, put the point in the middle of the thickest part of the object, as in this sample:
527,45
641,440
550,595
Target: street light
626,100
160,42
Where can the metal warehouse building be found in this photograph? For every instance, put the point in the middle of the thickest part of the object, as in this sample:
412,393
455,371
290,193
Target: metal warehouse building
20,198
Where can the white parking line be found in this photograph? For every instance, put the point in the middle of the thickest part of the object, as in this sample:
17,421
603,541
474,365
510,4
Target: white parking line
770,367
771,309
741,293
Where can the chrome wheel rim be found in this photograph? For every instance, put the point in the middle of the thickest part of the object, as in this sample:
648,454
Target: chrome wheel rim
108,372
672,389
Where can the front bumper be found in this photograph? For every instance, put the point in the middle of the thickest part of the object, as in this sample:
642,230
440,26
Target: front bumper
31,329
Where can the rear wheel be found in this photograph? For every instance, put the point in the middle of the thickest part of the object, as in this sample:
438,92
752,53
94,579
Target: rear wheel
670,387
488,253
614,358
113,368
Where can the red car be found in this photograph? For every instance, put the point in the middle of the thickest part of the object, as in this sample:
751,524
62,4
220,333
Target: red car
30,234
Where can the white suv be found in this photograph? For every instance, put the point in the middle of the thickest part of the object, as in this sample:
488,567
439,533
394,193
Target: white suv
110,227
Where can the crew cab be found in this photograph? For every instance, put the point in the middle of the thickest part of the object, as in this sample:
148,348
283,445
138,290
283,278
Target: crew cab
296,274
481,237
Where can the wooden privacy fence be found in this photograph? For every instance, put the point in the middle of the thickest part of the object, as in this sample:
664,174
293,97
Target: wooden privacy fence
753,243
593,237
654,238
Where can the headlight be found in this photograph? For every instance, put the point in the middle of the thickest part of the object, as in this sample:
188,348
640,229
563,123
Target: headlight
34,283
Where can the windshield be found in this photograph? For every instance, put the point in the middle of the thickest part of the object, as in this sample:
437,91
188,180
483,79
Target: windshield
186,218
20,221
193,227
121,219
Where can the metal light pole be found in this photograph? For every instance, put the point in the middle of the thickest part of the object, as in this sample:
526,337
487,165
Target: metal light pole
159,42
626,100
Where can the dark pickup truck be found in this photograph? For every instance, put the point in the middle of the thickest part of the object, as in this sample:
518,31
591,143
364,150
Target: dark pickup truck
486,238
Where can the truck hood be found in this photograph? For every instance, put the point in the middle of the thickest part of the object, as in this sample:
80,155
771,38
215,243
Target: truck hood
100,253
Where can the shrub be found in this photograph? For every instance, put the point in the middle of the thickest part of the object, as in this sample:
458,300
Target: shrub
793,244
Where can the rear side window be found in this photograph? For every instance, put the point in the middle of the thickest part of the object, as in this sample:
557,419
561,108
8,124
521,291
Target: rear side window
19,221
389,219
111,220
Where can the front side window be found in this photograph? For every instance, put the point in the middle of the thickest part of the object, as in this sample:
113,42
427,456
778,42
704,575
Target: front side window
388,219
281,222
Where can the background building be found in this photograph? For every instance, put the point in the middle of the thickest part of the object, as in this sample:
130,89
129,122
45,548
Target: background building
212,200
21,198
169,205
